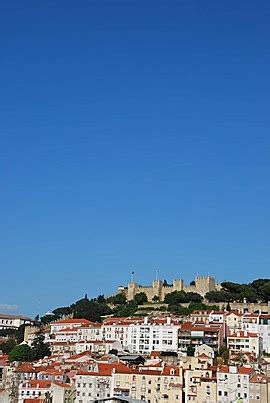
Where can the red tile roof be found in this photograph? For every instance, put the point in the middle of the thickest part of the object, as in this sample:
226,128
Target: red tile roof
242,334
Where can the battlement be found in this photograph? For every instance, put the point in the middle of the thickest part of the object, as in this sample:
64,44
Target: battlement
204,278
203,284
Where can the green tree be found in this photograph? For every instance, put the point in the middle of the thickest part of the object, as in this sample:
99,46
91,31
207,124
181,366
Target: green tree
194,297
61,312
90,309
119,299
190,351
101,299
265,291
219,296
39,348
140,298
21,352
48,318
126,310
7,346
224,354
176,297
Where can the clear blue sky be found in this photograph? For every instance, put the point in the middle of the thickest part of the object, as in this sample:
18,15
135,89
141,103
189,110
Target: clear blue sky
133,135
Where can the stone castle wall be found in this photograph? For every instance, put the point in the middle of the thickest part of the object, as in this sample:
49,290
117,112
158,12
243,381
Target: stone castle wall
202,286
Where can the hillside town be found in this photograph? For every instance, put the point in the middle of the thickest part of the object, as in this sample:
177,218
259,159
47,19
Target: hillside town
206,356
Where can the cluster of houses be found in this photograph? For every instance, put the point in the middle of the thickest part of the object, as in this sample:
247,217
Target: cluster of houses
214,356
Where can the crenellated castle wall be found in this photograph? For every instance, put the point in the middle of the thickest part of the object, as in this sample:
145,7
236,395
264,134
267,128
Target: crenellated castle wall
203,284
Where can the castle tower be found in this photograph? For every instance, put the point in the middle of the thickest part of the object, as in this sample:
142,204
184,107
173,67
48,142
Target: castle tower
157,289
205,284
178,285
132,290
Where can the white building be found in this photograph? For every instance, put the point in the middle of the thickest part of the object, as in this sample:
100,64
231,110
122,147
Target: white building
33,388
154,336
117,329
217,317
264,330
234,320
244,342
91,332
14,321
258,323
66,335
94,384
96,346
68,323
233,384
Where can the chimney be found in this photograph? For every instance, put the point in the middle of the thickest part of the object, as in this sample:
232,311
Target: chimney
145,321
169,320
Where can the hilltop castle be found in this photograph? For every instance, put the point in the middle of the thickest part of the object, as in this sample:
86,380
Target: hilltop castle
202,285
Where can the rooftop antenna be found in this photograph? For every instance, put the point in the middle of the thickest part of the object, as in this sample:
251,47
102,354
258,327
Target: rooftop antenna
157,273
132,276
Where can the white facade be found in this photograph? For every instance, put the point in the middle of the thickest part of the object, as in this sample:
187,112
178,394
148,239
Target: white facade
94,346
232,385
144,338
33,389
92,386
217,317
234,320
87,333
245,342
66,335
68,324
116,332
14,321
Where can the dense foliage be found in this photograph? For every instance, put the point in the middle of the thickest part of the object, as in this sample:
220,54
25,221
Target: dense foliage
258,290
23,352
178,297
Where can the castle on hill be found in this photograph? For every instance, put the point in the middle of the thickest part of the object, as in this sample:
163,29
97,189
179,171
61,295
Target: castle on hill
201,285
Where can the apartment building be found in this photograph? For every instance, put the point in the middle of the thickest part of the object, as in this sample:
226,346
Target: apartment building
63,392
90,332
258,323
14,321
68,323
234,320
233,383
33,389
259,388
244,342
150,384
96,383
156,335
195,334
200,386
96,346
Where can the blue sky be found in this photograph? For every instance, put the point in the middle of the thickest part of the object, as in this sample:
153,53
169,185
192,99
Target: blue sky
133,135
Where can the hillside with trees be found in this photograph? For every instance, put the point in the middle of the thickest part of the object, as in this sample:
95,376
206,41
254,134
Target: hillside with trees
256,291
